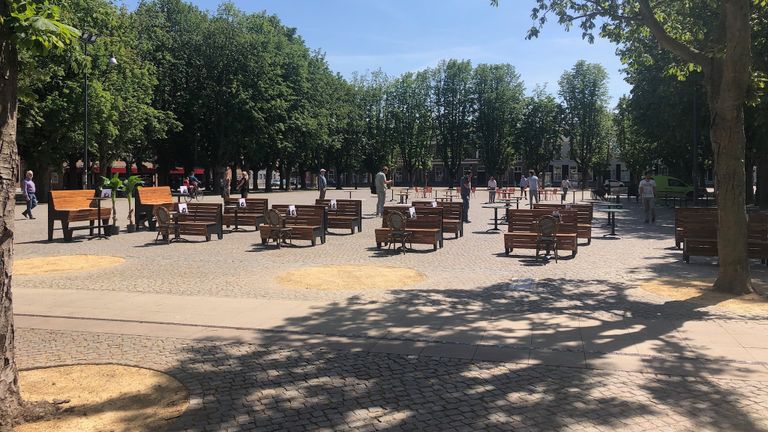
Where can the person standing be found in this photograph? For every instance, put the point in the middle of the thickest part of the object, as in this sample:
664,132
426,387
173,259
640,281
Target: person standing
523,186
226,184
466,189
242,185
492,190
381,183
533,187
566,186
647,191
322,183
29,189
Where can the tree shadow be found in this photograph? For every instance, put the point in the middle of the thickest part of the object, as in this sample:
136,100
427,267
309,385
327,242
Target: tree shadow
311,387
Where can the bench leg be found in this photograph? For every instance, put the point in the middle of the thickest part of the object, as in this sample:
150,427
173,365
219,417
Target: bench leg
378,245
314,242
90,231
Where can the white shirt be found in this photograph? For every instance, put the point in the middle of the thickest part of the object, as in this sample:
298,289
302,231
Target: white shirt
492,184
533,182
646,188
565,184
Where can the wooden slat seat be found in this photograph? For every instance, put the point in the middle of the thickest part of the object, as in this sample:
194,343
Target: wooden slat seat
425,228
523,223
67,206
250,215
452,216
347,215
584,216
202,219
308,224
147,199
698,215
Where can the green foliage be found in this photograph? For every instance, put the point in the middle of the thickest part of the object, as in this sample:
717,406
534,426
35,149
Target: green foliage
499,98
540,134
130,185
453,110
115,184
584,91
35,26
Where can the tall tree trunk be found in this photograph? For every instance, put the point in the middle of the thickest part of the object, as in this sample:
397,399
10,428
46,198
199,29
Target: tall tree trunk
10,399
728,78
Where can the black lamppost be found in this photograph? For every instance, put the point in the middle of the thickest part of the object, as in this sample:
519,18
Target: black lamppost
88,39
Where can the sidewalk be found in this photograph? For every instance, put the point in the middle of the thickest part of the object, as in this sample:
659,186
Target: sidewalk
718,348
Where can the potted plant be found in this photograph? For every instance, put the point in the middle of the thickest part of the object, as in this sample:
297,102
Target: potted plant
129,186
115,184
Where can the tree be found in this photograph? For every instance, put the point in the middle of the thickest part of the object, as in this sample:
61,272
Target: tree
584,91
498,94
409,121
33,26
375,152
452,104
714,37
540,135
635,149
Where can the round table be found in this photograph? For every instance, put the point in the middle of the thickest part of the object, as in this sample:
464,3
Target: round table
495,208
612,219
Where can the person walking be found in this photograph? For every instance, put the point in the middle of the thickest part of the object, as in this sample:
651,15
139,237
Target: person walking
322,183
533,187
647,191
226,184
242,185
466,190
492,190
29,189
524,186
565,185
381,183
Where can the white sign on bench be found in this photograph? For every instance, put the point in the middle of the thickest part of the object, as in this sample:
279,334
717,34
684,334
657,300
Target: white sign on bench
292,210
412,212
183,208
333,204
106,193
241,202
183,190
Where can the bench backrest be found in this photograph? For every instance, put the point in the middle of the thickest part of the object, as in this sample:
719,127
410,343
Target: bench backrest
153,195
252,205
72,199
584,212
526,220
202,212
426,217
684,215
344,207
451,210
306,215
757,226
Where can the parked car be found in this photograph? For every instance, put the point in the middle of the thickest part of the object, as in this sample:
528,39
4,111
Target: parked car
667,186
615,187
275,183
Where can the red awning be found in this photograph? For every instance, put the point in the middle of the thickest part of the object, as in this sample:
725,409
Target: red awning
180,170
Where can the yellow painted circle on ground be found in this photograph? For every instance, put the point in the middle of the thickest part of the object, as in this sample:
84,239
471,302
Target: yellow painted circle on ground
104,398
350,277
63,263
701,292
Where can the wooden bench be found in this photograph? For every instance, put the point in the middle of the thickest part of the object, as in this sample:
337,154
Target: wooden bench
203,219
697,215
148,199
523,229
308,224
69,206
452,215
757,236
250,215
347,215
584,216
700,240
425,228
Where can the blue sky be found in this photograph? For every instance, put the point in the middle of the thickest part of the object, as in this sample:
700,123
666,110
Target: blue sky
408,35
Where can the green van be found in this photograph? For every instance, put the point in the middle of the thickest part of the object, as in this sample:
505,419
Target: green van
672,187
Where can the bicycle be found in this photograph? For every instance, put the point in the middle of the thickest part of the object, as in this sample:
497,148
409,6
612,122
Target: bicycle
195,193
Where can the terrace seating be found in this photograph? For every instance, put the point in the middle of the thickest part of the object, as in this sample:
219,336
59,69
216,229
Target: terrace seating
69,206
523,229
147,200
692,215
425,228
584,216
307,224
452,211
348,214
253,214
202,219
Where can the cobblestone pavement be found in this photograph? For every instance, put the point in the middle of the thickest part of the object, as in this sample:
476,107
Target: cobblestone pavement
411,373
240,387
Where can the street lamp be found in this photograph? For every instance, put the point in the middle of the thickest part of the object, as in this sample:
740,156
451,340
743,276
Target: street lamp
88,39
